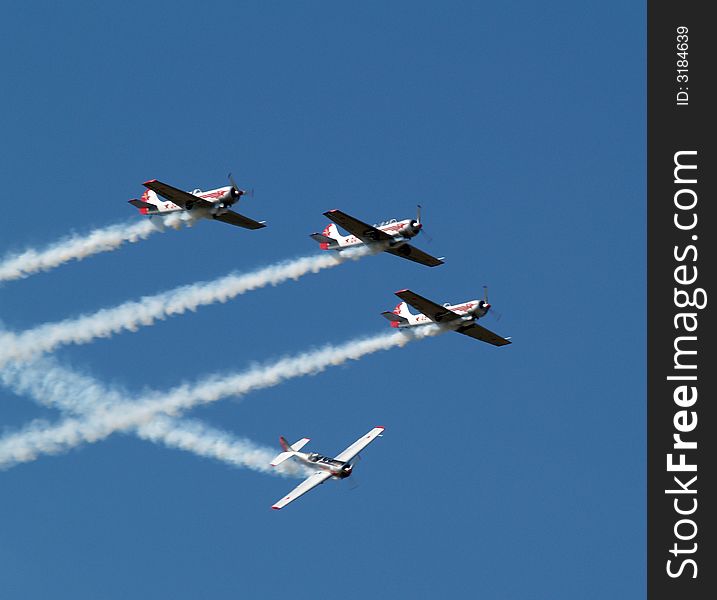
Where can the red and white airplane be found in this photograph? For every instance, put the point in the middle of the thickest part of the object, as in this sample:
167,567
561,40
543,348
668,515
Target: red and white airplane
393,234
162,199
326,467
458,317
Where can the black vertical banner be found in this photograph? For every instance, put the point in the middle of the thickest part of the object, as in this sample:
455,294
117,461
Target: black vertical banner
682,265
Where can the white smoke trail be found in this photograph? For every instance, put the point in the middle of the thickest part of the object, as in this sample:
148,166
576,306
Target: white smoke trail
38,438
76,247
198,438
51,385
131,315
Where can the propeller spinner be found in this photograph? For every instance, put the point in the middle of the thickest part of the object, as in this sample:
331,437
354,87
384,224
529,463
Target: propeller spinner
236,191
417,225
486,305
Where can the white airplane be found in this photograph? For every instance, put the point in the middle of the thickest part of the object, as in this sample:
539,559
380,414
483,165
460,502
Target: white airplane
393,234
162,199
458,317
326,468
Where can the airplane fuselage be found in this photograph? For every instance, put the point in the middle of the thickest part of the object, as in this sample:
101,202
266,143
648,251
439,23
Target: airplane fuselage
339,469
470,311
400,231
222,198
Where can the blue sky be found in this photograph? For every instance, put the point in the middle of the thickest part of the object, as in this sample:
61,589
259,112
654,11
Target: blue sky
515,472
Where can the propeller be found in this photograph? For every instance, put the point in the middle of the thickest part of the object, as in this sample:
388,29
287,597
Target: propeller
496,315
236,190
354,482
418,225
492,311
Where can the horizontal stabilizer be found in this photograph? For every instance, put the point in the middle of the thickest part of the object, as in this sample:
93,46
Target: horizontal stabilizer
140,204
394,318
323,239
281,458
295,447
300,444
288,451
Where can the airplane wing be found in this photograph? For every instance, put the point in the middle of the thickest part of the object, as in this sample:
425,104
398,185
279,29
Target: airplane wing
179,197
481,333
435,312
308,484
234,218
360,444
363,231
414,254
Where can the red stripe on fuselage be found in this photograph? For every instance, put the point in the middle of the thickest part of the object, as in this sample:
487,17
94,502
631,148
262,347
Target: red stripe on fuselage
214,194
464,307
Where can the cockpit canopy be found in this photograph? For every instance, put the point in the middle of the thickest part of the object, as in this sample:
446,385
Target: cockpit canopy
324,460
382,223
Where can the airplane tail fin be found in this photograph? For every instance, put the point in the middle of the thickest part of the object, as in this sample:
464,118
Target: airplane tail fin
402,310
398,316
288,450
148,204
328,238
331,231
